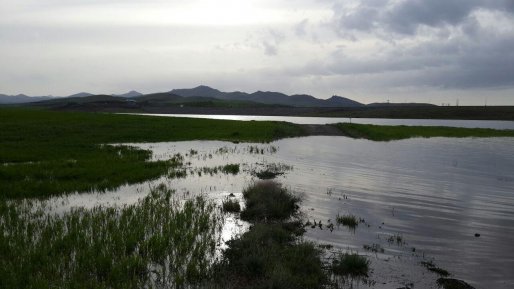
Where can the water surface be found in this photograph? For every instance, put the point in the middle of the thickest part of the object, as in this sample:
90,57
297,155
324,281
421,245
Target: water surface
495,124
436,194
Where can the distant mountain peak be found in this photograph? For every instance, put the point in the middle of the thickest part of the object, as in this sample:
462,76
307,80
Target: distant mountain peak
205,88
201,90
81,94
131,93
268,97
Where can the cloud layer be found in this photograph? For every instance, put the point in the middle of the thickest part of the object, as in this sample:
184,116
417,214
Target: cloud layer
369,50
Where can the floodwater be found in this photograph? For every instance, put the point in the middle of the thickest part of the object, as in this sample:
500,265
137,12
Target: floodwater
434,194
494,124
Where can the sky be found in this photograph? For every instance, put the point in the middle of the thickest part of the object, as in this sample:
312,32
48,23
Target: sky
434,51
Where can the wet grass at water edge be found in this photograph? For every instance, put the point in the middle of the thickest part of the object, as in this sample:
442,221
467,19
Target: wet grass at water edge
433,268
351,264
272,254
231,206
158,242
347,220
388,133
45,153
268,201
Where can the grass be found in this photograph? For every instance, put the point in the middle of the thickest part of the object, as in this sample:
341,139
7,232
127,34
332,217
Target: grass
271,171
268,256
352,265
433,268
396,238
387,133
158,242
45,153
347,220
231,206
271,254
417,112
268,201
375,248
449,283
267,174
230,169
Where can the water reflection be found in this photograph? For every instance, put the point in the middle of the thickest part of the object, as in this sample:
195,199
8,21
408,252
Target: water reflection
495,124
436,194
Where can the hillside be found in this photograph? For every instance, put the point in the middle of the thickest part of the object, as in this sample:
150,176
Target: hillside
269,97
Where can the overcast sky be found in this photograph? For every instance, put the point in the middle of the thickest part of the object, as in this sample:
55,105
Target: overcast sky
433,51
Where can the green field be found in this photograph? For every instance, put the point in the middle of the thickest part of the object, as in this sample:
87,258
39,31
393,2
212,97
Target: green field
46,153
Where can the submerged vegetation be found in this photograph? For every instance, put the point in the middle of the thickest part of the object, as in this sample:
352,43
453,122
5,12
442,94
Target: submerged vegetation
158,241
387,133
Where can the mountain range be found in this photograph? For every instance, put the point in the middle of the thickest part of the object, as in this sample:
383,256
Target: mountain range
21,98
200,93
269,97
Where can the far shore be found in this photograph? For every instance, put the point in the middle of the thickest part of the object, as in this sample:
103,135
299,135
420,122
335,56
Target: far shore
391,112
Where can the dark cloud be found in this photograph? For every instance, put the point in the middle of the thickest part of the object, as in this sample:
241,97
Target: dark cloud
456,44
405,17
483,58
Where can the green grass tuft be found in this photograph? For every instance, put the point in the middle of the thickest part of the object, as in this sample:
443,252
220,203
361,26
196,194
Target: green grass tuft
230,169
231,206
347,220
268,201
352,265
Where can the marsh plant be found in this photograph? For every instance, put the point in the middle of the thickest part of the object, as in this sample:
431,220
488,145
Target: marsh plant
231,206
396,239
158,242
271,254
350,264
349,221
271,171
269,201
